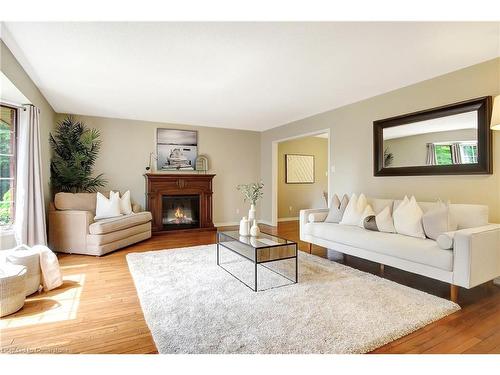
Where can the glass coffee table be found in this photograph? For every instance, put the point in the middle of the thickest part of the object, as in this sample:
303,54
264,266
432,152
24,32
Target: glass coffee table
268,259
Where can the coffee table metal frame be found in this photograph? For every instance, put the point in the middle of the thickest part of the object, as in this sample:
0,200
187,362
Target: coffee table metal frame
255,260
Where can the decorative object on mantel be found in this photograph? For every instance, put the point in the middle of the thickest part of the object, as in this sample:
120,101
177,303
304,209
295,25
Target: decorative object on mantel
201,164
495,115
252,192
176,149
254,231
244,227
152,156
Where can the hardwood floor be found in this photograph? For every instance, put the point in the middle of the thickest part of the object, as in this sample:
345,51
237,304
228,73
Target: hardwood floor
97,309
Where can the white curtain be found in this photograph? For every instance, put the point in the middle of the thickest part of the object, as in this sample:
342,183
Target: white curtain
431,154
30,208
456,157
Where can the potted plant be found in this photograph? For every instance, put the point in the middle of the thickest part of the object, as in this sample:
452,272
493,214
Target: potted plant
75,151
252,192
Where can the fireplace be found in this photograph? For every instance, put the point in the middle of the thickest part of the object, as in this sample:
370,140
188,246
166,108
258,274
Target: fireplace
180,202
180,212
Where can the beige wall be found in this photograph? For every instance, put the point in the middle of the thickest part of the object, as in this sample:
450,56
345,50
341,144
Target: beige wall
16,74
412,151
352,145
301,196
126,144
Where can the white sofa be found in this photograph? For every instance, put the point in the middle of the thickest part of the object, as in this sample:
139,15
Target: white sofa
473,260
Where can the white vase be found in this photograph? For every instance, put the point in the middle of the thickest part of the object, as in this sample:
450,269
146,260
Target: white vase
251,213
244,227
254,230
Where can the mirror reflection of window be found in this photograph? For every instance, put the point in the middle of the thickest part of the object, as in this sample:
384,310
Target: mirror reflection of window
450,153
448,140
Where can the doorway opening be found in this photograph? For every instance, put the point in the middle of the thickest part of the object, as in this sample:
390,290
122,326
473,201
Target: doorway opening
301,168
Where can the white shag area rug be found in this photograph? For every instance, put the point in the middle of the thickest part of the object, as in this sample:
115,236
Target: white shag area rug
191,305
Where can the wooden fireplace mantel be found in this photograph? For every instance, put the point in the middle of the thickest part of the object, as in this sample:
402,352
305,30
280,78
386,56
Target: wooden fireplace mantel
160,184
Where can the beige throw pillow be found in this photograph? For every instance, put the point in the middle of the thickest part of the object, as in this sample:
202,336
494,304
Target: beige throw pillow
337,209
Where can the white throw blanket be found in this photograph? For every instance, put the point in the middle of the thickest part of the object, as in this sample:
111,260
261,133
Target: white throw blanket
51,273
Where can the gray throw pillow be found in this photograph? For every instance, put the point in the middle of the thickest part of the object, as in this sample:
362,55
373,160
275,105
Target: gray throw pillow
369,223
337,208
438,220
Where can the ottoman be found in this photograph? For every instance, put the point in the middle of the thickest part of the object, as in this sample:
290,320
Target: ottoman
24,256
12,288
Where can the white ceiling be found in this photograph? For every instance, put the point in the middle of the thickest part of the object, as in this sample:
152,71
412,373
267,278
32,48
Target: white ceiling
466,120
236,75
9,94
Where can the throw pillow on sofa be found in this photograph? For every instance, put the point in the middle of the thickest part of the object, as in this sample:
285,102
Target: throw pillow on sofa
369,223
337,209
438,220
107,208
384,221
445,240
354,210
408,218
125,204
367,212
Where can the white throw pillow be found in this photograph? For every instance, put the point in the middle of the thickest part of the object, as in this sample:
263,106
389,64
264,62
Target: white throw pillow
107,208
384,221
125,204
368,211
438,220
354,210
408,218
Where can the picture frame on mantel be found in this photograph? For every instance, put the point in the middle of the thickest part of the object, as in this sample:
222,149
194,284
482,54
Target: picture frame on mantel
176,150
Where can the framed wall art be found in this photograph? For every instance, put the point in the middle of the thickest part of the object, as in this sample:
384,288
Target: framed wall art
176,149
299,169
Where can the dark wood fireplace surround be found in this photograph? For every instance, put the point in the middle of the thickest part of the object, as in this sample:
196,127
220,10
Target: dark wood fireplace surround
158,185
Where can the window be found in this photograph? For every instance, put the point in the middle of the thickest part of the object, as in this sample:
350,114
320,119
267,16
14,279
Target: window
468,152
443,155
465,153
8,122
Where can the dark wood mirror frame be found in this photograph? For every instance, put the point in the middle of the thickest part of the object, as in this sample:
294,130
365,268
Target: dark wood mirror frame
484,140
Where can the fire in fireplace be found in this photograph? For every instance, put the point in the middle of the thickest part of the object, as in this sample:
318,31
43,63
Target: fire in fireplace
180,212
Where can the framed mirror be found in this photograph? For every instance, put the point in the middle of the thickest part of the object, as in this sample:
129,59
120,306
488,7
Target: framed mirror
452,139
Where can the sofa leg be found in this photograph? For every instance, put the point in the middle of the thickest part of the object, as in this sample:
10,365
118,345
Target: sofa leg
453,293
309,247
382,270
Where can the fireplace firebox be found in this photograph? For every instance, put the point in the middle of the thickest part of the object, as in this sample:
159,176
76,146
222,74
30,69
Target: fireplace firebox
180,202
180,212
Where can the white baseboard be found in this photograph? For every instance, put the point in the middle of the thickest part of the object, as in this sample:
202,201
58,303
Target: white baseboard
265,222
227,224
288,219
233,223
